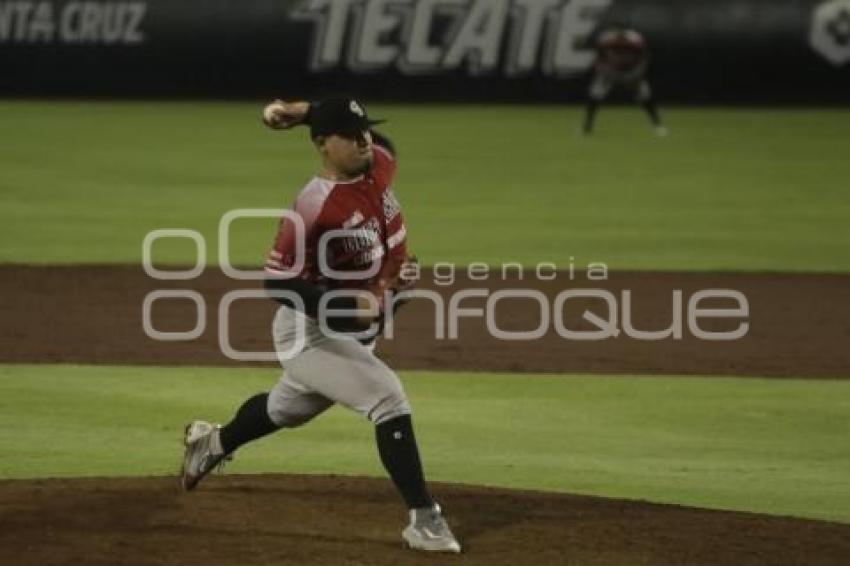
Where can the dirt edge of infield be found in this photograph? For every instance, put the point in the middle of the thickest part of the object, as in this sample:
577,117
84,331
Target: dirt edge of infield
798,324
263,519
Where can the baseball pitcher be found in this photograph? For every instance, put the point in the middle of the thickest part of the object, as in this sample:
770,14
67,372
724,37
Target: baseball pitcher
332,268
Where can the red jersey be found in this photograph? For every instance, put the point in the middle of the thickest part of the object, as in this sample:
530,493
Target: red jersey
365,205
622,54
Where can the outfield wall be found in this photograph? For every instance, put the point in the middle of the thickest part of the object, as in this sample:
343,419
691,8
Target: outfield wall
704,50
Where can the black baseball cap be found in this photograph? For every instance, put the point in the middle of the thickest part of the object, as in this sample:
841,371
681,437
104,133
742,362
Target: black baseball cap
338,116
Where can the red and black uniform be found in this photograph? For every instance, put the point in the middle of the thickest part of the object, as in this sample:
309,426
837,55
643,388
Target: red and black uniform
322,369
367,209
622,62
622,56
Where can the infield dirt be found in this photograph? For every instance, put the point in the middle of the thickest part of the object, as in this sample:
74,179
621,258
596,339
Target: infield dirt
799,327
799,324
244,520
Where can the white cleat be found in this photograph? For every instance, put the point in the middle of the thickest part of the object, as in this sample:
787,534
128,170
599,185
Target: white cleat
429,531
199,460
661,131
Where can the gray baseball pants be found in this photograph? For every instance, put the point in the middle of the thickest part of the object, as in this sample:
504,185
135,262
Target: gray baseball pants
320,371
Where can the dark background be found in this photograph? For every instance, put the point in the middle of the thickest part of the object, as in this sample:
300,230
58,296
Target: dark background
704,51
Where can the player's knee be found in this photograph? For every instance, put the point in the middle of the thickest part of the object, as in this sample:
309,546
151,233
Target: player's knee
287,415
393,404
278,416
289,420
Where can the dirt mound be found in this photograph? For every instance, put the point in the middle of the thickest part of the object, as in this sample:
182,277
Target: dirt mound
276,519
799,324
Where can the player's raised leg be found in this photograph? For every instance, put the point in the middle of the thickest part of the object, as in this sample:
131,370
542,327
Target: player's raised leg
202,453
208,445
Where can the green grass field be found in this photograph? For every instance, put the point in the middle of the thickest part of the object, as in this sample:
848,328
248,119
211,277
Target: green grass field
735,190
729,189
759,445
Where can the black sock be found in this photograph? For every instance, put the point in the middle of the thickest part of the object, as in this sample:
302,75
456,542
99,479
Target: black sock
652,111
250,423
400,456
589,116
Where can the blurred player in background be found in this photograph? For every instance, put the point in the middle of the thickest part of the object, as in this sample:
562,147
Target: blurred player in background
622,62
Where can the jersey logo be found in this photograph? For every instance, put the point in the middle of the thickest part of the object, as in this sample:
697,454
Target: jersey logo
354,107
364,238
391,205
360,246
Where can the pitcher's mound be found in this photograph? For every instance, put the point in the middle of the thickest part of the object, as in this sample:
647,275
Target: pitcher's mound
278,519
